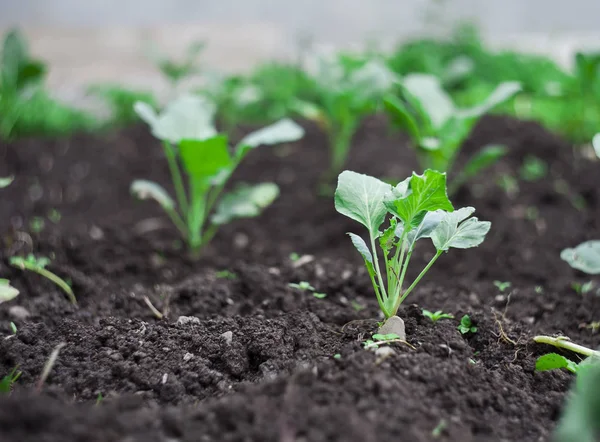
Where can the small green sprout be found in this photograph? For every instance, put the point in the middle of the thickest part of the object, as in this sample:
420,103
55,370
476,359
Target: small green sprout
306,287
533,169
438,128
7,292
38,265
99,399
13,328
176,71
225,274
357,306
379,339
6,383
539,289
337,356
585,257
54,216
502,286
419,208
190,139
437,432
37,224
582,288
509,184
466,325
294,256
436,316
302,285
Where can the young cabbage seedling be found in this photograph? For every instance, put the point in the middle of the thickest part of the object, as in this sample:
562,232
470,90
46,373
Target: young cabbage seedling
436,316
190,139
418,208
346,94
438,128
38,265
466,325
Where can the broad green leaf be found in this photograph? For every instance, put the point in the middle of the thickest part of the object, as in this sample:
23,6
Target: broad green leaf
585,257
426,193
205,159
362,248
188,117
14,56
503,92
401,117
245,202
581,418
4,182
425,229
596,144
284,131
145,190
360,197
7,292
554,361
450,234
434,100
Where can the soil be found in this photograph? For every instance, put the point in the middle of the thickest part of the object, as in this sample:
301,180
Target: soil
242,356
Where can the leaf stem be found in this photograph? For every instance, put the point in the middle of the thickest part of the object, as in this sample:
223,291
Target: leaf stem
178,184
51,276
563,342
384,295
416,281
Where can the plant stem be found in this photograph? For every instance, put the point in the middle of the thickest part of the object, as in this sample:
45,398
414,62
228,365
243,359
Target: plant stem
196,216
384,295
176,177
58,281
562,342
179,223
416,281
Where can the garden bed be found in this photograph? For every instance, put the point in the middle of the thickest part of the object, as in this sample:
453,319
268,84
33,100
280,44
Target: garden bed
263,361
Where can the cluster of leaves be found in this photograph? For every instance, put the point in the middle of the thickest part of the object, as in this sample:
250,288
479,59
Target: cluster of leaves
418,208
191,142
438,128
26,108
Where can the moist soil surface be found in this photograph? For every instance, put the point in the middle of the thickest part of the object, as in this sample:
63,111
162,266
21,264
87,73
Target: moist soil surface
240,355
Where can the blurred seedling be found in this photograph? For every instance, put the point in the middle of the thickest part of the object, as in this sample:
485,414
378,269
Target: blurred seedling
437,315
582,288
502,286
306,287
38,265
6,383
225,274
7,292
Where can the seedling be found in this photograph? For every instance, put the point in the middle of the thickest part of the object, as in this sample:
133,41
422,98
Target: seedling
502,286
190,139
533,169
6,181
225,274
582,289
585,257
13,328
294,257
38,265
6,383
346,94
176,71
565,343
7,292
436,316
419,208
379,339
438,128
466,325
306,287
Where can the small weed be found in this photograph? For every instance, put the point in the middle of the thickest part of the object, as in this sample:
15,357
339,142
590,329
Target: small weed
533,169
436,316
502,286
466,325
225,274
38,265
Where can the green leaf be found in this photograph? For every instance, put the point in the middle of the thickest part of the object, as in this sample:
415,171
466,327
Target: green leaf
503,92
205,159
15,55
469,233
145,190
486,157
430,222
362,248
585,257
388,237
554,361
4,182
426,193
188,117
402,118
7,292
360,197
284,131
581,418
245,202
434,100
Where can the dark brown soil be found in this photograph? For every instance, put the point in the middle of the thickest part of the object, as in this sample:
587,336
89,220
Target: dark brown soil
250,358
